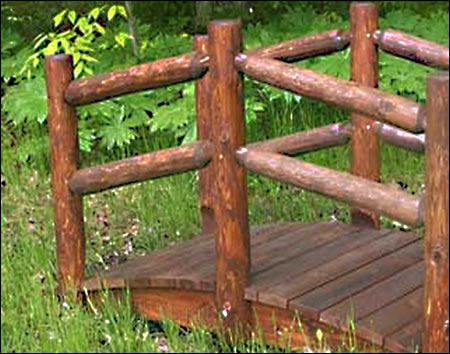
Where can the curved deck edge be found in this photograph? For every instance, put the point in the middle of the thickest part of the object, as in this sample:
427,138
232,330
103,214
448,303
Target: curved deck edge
275,326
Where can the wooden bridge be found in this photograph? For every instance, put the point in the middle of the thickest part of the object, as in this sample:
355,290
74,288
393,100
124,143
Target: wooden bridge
393,285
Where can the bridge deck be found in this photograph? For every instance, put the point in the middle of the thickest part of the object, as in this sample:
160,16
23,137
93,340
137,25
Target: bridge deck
328,272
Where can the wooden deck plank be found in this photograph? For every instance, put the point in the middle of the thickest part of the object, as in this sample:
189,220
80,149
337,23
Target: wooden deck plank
391,318
407,339
319,299
337,241
331,268
319,269
375,297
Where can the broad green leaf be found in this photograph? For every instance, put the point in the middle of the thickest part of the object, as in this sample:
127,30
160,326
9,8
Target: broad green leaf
52,48
94,13
72,15
26,101
121,38
83,25
88,58
112,12
76,57
78,69
100,29
40,41
122,11
58,18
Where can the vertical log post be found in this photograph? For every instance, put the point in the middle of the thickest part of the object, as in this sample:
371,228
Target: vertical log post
206,179
230,204
435,335
64,154
365,156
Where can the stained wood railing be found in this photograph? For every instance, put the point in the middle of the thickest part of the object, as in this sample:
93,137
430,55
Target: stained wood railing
222,157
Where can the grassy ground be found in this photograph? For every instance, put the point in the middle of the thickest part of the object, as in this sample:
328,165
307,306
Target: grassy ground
135,219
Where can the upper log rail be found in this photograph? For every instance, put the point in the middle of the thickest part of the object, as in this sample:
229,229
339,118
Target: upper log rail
305,47
310,140
342,186
140,168
412,48
341,93
146,76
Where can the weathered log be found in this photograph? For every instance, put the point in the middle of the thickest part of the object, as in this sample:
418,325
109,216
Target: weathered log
146,76
364,146
305,47
64,157
230,204
341,93
206,178
342,186
314,139
412,48
400,137
435,334
140,168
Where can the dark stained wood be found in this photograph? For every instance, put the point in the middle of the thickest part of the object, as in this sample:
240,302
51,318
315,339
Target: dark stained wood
341,93
344,286
311,140
407,339
332,267
435,336
364,147
202,108
313,245
64,159
412,48
305,47
230,204
341,186
143,167
391,318
400,137
189,307
146,76
374,297
373,266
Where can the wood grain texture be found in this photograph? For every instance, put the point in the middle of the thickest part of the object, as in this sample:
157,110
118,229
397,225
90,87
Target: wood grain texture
230,204
412,48
341,186
400,137
146,76
64,160
341,93
364,146
435,336
311,140
202,108
142,167
305,47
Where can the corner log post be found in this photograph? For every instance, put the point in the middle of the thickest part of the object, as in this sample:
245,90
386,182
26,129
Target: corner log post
64,160
364,146
206,178
230,202
435,334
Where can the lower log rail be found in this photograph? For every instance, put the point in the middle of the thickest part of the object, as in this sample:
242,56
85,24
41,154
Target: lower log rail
139,168
342,186
313,274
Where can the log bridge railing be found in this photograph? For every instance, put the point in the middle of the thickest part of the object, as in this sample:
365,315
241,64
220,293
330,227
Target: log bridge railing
221,155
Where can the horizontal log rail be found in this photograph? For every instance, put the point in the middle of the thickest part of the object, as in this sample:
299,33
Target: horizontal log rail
412,48
341,93
146,76
305,47
140,168
400,137
342,186
314,139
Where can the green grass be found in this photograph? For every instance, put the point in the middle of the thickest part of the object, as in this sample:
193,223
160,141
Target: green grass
139,218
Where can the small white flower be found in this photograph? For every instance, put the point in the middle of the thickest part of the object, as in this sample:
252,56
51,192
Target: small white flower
51,335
